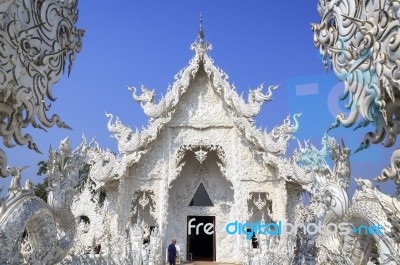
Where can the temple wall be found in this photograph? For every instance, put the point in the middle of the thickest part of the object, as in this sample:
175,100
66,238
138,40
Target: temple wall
201,120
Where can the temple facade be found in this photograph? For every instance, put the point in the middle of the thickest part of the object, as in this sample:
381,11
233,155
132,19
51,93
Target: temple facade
200,160
200,172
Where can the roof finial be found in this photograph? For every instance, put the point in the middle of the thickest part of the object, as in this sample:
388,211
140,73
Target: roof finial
200,46
201,33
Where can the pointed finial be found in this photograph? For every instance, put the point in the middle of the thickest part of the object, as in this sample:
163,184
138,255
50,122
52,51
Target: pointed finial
201,33
200,46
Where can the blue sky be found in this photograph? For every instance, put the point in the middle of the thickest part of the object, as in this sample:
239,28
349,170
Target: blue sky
147,42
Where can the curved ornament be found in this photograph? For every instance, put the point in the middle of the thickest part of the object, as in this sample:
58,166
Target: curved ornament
51,226
37,39
361,40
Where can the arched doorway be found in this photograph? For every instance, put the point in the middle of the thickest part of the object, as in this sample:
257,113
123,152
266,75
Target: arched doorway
203,193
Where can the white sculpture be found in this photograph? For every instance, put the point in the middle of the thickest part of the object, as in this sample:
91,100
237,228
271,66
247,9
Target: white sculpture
106,208
37,40
361,41
50,228
153,179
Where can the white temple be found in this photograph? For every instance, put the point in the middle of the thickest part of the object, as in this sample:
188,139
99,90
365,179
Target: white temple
201,164
200,157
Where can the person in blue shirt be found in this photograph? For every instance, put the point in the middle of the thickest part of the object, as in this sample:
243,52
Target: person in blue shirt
172,252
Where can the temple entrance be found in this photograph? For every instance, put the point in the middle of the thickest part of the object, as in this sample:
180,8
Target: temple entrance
200,240
202,192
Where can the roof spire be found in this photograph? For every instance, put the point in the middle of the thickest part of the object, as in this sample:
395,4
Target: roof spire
200,46
201,32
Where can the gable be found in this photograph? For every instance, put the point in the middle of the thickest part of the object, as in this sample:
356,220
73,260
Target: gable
202,98
200,106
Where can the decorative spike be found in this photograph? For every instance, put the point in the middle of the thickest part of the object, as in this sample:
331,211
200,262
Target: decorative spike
201,32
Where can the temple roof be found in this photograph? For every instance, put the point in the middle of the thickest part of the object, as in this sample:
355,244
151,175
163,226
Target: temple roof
218,79
132,145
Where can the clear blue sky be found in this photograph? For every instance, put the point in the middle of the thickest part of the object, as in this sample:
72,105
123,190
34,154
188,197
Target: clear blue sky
147,42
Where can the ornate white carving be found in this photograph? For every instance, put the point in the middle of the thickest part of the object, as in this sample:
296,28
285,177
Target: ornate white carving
51,225
201,155
276,141
143,193
361,41
393,171
37,39
144,200
259,203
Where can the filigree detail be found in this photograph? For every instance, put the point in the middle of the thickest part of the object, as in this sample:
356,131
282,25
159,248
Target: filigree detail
143,201
201,155
275,142
52,225
37,40
259,203
207,148
204,149
393,171
362,42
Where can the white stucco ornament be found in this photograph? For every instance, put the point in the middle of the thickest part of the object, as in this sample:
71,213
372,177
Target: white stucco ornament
37,39
200,157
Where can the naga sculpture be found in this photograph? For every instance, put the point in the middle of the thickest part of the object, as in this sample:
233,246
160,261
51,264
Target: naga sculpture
131,145
147,102
277,140
254,101
360,40
47,228
37,40
329,187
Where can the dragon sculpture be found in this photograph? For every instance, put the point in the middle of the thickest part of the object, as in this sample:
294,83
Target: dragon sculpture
310,158
329,186
274,142
369,207
329,204
327,190
248,110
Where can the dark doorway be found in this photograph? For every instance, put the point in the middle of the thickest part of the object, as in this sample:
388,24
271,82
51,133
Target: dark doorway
201,246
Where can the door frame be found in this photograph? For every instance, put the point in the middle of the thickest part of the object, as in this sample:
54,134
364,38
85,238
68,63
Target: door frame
188,217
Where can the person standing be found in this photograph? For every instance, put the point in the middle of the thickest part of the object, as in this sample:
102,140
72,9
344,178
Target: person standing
172,252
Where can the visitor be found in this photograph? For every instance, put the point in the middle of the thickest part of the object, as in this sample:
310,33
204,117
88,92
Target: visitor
172,252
